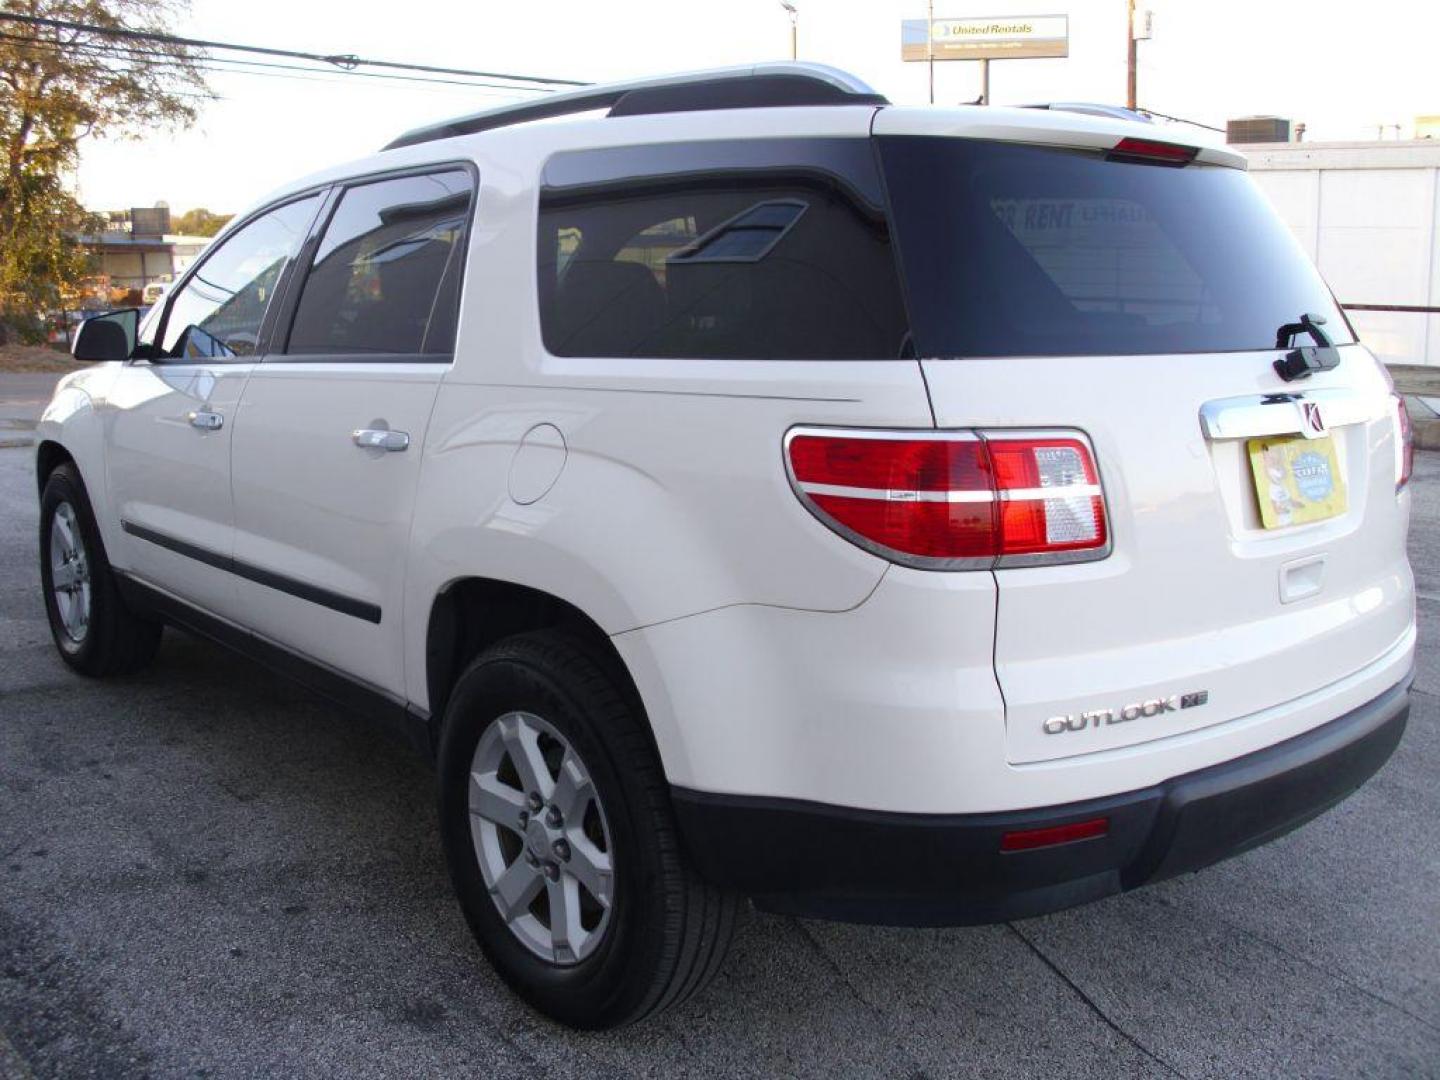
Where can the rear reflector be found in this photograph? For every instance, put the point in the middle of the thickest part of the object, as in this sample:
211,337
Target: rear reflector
954,500
1030,839
1153,152
1404,444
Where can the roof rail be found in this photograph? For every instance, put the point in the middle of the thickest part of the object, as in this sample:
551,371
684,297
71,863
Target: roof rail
750,86
1090,108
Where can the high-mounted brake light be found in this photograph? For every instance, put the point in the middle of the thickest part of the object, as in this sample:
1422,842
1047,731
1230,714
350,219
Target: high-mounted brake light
1153,152
1404,444
954,500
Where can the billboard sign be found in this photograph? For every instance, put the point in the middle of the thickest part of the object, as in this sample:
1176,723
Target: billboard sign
1030,36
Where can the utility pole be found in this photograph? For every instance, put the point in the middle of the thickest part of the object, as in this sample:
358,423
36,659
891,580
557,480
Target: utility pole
1130,54
794,34
930,46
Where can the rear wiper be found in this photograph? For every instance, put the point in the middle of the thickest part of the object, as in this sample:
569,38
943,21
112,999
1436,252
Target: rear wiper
1303,362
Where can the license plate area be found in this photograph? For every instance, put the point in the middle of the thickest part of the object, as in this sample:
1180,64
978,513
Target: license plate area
1297,480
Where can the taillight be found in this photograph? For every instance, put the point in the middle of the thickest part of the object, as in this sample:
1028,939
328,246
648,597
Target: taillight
954,500
1404,444
1153,152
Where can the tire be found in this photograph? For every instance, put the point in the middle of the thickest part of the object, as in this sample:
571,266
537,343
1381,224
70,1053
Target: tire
666,931
109,639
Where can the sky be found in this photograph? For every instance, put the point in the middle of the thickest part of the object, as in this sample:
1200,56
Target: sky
1341,68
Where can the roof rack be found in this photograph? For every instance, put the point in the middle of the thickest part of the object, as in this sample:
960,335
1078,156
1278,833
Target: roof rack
1090,108
751,86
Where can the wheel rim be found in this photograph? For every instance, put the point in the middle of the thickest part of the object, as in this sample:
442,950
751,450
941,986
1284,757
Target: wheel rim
541,837
69,573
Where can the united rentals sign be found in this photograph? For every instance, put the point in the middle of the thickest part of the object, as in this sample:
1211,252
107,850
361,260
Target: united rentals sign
985,39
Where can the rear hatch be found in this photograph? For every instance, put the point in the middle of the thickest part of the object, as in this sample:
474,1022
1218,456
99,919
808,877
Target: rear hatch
1256,534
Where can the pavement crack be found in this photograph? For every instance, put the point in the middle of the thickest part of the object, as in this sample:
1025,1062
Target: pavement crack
1091,1004
1337,976
835,969
829,961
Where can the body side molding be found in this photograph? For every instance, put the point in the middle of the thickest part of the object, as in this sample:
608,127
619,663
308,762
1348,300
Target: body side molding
346,605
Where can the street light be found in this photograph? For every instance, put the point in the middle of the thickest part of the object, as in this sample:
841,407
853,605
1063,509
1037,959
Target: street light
794,18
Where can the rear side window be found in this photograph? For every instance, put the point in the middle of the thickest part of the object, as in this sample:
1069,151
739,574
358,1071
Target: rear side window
719,252
385,279
1014,250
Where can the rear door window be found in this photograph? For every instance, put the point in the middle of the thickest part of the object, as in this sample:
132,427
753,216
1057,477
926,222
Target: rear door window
1013,250
385,279
723,252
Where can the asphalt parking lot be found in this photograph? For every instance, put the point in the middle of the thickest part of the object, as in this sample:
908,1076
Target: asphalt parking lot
206,871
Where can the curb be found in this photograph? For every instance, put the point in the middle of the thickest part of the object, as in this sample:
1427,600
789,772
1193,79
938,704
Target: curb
17,431
1427,434
1414,381
1424,424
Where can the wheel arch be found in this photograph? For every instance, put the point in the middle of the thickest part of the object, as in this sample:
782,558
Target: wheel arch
49,456
470,614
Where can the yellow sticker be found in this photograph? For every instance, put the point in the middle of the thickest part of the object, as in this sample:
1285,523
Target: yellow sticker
1296,479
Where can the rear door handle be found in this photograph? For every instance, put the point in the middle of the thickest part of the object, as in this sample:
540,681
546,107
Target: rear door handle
381,439
207,421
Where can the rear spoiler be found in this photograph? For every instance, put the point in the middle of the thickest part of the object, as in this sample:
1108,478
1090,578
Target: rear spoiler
1049,127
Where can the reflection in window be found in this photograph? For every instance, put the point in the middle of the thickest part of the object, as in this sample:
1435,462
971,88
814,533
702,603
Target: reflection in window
747,237
1108,255
217,314
386,276
654,246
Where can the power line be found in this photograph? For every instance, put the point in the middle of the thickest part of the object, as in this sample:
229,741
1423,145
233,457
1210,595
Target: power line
302,74
242,66
345,61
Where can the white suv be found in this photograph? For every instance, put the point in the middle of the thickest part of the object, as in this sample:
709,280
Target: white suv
752,489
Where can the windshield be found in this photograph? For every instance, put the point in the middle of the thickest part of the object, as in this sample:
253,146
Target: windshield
1016,250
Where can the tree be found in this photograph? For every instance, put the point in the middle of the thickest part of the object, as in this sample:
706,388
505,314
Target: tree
199,222
59,85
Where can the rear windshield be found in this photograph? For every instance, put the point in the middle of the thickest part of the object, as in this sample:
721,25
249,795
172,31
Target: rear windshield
1013,250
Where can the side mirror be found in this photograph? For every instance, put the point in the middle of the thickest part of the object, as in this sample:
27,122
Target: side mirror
106,337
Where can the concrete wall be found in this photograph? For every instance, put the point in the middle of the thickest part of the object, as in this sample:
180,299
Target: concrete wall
1366,213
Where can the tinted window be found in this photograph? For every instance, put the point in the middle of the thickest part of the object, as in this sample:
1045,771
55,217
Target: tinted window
386,276
748,259
1014,250
217,314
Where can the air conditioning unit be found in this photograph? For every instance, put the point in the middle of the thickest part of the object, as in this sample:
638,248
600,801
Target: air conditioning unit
1258,129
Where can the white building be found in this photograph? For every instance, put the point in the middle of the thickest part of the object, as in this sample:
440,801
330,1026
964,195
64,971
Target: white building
1367,214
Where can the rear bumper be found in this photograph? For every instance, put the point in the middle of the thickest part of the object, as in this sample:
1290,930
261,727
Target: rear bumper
947,869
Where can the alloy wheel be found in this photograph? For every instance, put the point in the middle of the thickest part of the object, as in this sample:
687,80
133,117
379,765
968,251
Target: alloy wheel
541,837
70,573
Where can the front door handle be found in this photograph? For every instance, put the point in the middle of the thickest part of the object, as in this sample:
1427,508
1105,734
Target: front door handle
381,439
207,421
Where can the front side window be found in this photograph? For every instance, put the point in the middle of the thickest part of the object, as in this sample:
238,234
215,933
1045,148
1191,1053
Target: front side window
386,276
726,255
217,314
